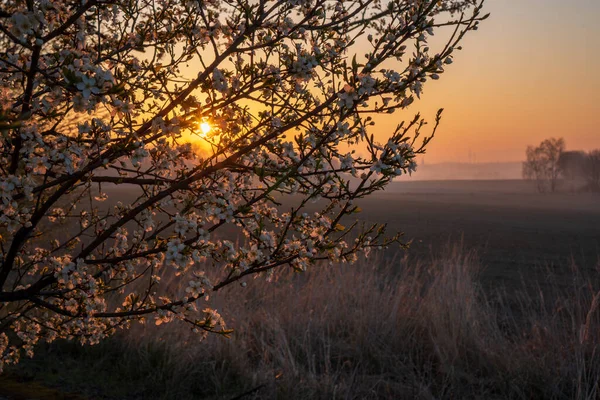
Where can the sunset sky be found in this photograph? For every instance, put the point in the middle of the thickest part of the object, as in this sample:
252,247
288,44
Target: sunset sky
532,71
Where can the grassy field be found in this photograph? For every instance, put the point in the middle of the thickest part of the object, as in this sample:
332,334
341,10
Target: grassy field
496,299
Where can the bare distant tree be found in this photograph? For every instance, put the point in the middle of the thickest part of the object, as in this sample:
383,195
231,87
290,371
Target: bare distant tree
542,164
592,170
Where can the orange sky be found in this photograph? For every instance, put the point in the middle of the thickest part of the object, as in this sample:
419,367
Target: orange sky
532,71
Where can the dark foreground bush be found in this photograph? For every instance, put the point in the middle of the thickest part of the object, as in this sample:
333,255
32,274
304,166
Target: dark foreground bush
374,330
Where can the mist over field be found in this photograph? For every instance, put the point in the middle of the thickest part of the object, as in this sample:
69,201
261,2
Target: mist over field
514,230
465,171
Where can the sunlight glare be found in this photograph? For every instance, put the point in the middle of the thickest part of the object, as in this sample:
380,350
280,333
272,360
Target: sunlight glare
205,127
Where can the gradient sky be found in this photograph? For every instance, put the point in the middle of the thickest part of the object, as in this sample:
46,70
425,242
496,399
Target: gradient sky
530,72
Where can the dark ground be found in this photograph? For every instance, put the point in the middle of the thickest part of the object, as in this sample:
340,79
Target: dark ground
518,234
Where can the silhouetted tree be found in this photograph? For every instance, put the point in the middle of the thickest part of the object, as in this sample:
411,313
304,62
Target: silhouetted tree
542,164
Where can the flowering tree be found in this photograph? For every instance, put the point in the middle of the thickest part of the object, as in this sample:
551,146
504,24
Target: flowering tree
204,113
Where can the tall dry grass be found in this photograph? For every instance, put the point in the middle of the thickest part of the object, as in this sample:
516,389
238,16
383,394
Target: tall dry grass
394,330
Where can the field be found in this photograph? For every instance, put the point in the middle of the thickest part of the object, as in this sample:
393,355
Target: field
517,233
497,298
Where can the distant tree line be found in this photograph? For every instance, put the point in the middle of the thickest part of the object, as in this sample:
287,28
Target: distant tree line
548,162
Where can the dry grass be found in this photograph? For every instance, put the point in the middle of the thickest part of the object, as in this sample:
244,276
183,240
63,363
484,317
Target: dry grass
400,330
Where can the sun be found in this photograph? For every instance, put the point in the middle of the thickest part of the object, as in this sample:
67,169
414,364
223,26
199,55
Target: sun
205,128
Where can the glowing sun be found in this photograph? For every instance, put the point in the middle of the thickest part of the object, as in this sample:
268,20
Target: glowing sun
204,128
